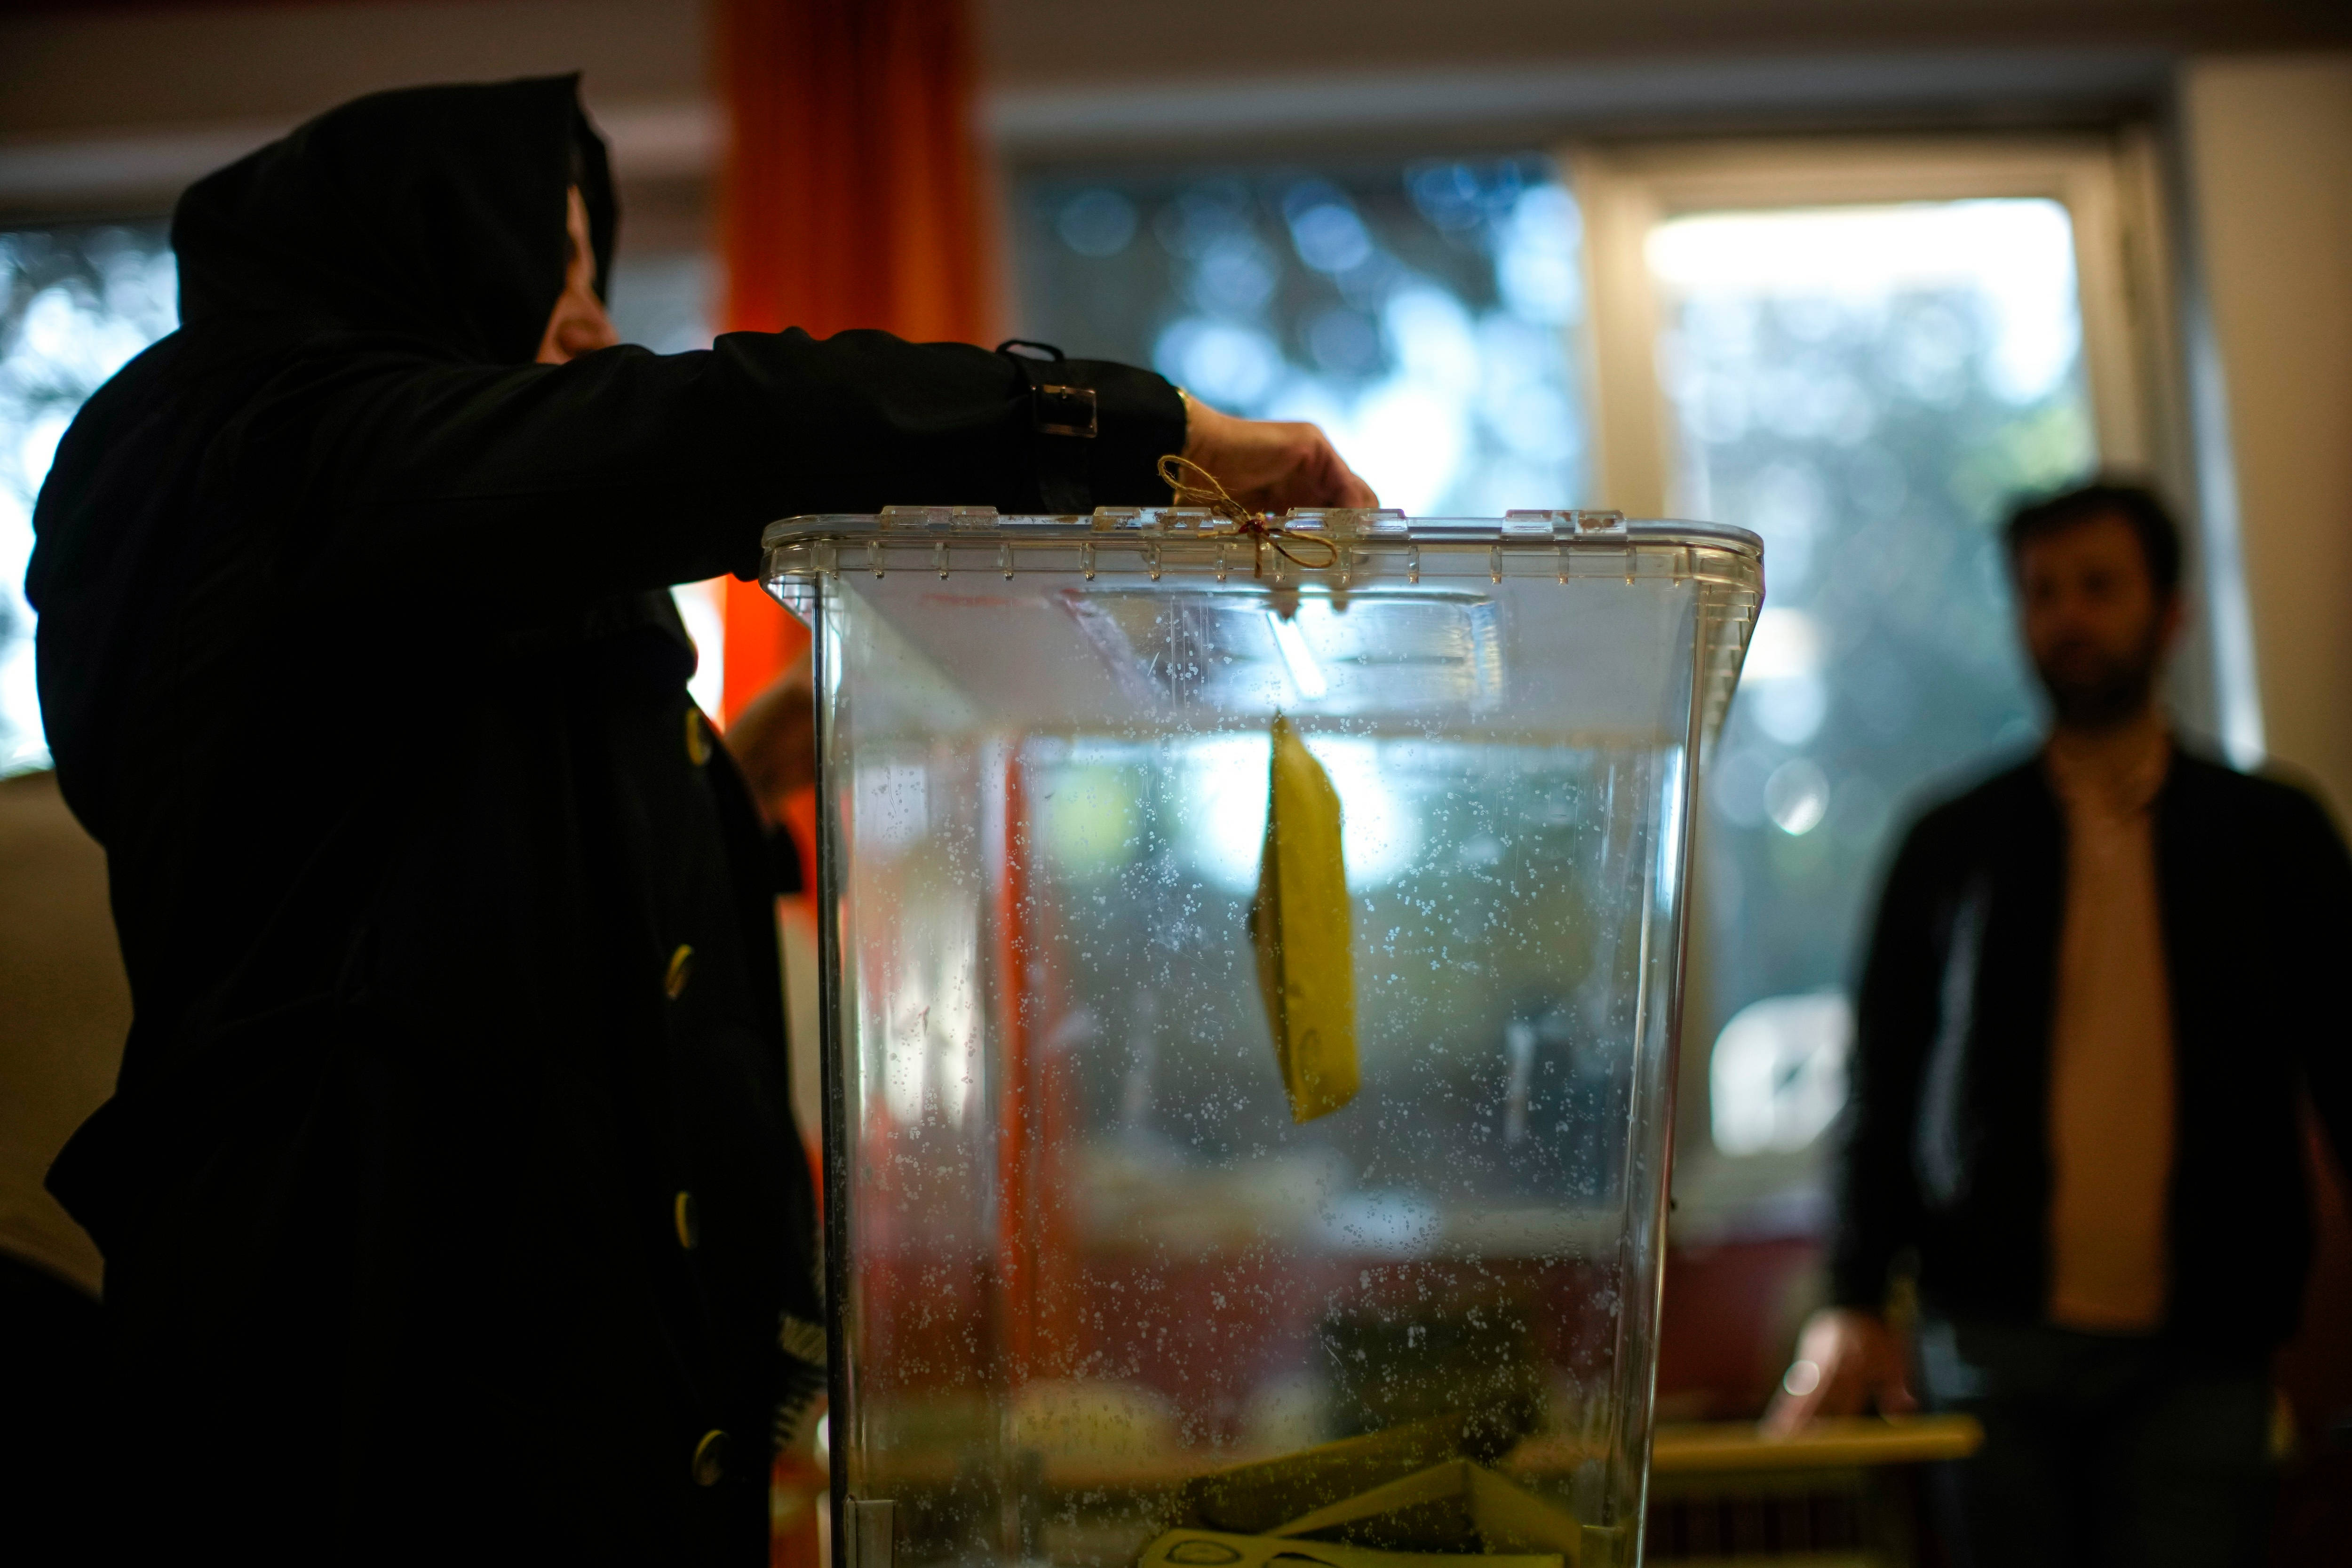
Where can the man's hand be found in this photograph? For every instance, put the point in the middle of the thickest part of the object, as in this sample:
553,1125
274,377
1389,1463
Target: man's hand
1844,1360
1271,465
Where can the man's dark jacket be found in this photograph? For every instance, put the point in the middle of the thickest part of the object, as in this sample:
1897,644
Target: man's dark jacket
450,1197
1947,1147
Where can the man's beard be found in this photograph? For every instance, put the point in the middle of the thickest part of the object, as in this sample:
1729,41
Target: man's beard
2092,689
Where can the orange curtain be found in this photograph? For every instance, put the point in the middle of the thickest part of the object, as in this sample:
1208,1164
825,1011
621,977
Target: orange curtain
850,198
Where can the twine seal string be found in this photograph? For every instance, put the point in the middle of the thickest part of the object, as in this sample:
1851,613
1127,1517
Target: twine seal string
1257,526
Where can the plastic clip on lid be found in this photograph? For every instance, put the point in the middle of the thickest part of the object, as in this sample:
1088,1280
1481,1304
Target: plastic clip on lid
1064,418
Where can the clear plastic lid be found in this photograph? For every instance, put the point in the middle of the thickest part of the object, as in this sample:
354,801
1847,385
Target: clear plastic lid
1345,553
1594,529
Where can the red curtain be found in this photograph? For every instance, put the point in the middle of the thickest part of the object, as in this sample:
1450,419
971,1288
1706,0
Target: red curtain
851,197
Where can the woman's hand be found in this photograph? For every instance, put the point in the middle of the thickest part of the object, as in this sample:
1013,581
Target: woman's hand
1271,465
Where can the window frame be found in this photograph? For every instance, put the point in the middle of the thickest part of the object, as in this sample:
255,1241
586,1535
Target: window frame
2113,186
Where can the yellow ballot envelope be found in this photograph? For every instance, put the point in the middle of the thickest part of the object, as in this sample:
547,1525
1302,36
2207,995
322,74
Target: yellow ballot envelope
1299,926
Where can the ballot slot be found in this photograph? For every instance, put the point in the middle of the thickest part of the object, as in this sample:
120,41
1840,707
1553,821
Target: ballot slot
1232,1073
1247,651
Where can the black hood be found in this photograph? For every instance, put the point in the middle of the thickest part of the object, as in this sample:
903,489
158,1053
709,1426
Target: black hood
432,212
429,217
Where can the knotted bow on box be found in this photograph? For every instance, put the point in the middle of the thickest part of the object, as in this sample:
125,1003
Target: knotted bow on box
1257,526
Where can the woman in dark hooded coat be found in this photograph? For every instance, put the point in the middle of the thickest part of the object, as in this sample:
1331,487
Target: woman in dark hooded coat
450,1198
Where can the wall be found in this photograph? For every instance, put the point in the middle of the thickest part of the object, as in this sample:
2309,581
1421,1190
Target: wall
1137,43
158,92
2266,150
112,109
81,66
103,68
2267,145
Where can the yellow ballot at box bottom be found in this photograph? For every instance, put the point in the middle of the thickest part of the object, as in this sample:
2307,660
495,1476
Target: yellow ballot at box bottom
1215,1549
1434,1518
1299,926
1454,1507
1261,1497
1407,1497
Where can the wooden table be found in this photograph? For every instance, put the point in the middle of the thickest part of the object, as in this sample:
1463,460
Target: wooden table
1839,1494
1720,1447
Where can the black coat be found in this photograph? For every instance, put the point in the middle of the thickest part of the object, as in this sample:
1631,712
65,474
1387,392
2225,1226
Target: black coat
448,928
1947,1148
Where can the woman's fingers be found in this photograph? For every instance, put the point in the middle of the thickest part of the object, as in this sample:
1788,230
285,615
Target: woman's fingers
1304,470
1272,465
1340,480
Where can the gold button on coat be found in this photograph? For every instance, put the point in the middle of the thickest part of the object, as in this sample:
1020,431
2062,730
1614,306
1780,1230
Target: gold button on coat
711,1458
689,1225
698,736
681,969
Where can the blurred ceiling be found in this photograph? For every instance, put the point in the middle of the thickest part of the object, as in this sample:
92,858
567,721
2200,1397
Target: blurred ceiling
132,100
1058,41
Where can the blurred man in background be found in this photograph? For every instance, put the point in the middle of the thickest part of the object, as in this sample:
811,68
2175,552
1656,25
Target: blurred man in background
2096,985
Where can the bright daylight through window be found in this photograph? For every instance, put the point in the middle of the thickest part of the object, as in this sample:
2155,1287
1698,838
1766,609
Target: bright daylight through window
1421,314
78,302
1869,388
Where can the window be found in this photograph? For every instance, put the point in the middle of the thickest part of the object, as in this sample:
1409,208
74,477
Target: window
1866,387
78,302
1866,353
662,301
1424,313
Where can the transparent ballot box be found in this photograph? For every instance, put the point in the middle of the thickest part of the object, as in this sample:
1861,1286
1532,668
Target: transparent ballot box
1249,977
